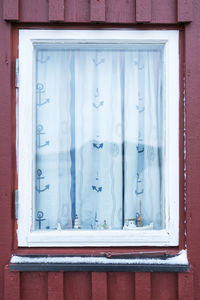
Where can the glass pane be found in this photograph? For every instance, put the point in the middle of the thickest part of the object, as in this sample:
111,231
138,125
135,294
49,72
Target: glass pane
99,137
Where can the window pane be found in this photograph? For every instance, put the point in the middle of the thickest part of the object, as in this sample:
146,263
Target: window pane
99,137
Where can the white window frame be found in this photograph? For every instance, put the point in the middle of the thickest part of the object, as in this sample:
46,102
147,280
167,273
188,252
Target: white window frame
84,238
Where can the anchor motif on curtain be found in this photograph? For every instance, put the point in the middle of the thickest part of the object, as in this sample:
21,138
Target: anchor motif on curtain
97,189
140,66
140,138
40,218
140,148
42,59
98,146
138,190
40,90
140,106
39,133
101,103
39,178
96,62
97,103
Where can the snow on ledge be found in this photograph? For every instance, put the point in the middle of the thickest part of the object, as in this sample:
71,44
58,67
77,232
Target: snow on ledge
179,259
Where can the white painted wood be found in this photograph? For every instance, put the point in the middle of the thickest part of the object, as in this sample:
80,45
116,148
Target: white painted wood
180,258
166,237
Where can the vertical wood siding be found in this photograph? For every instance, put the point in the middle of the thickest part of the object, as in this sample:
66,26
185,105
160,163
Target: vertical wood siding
6,186
97,11
11,10
110,11
143,11
164,286
11,285
55,286
56,10
185,10
98,286
142,286
111,285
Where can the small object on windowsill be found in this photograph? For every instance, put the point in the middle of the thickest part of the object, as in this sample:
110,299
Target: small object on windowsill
76,222
105,225
59,227
130,224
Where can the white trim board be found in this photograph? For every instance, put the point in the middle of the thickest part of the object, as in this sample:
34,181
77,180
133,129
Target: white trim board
76,238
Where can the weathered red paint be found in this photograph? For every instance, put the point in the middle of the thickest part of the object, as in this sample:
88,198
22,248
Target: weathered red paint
164,286
11,10
56,10
192,65
121,286
142,286
185,10
34,285
163,14
143,11
99,285
77,285
186,286
11,285
97,10
6,185
36,11
55,286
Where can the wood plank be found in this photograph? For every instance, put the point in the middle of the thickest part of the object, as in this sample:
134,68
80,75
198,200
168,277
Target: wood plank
142,286
192,81
121,286
55,286
11,285
185,286
11,10
99,286
97,11
77,11
34,286
77,285
34,11
143,11
121,11
163,11
6,171
185,10
56,10
164,286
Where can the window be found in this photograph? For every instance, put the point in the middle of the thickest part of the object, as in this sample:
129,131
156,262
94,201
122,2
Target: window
98,138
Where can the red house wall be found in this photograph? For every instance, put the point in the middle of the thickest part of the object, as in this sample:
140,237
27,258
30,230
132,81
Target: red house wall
178,14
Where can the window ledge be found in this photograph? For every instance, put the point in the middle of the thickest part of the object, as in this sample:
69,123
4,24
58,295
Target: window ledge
176,263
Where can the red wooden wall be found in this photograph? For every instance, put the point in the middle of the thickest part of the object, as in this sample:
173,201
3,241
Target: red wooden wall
178,14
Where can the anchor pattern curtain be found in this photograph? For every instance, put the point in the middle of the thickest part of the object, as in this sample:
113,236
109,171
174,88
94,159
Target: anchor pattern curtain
99,139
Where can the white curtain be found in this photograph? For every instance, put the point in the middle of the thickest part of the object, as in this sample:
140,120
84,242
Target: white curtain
143,137
99,133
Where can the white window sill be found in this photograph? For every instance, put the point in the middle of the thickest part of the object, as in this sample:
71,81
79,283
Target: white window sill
97,238
176,263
